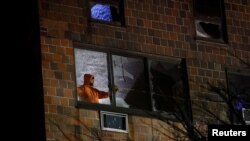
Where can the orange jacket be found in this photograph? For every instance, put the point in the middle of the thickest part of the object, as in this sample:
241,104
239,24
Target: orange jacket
89,93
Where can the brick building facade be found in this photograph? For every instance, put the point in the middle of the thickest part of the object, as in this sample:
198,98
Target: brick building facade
161,28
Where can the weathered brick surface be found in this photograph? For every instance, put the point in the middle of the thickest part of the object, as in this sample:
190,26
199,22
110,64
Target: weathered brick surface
160,27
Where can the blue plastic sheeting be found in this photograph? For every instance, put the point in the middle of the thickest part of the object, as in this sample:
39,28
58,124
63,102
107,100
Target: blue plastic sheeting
239,105
101,12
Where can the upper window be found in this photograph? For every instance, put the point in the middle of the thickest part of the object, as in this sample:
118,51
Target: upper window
111,12
239,90
210,20
132,82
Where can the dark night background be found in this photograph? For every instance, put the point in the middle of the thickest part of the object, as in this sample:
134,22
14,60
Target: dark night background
22,94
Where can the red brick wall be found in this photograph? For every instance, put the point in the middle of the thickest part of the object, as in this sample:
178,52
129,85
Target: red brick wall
160,27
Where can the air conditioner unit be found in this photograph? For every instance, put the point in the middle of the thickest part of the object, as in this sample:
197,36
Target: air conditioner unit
246,115
116,122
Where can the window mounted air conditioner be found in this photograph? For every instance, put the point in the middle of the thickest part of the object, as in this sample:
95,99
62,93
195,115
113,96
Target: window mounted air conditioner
116,122
246,115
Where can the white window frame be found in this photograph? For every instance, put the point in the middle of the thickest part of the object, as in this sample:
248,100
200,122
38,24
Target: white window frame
102,113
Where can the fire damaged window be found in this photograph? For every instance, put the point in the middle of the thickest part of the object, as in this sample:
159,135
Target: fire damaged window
144,82
167,82
210,20
110,12
129,76
239,92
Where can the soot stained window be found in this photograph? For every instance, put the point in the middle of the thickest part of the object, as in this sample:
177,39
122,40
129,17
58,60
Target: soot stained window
210,20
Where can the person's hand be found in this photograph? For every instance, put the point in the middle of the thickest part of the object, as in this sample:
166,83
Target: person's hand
115,88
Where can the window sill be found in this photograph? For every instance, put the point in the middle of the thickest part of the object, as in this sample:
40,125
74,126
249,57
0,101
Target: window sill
111,23
217,41
136,112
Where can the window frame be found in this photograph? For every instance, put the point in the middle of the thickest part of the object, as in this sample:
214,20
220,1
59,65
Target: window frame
221,21
240,72
140,112
117,3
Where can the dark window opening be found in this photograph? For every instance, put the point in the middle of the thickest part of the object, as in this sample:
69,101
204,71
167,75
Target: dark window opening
107,12
166,82
208,30
239,90
239,87
115,13
129,75
207,8
210,22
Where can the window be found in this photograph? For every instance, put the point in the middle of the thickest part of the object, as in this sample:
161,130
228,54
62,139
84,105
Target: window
239,90
210,20
110,12
146,83
167,86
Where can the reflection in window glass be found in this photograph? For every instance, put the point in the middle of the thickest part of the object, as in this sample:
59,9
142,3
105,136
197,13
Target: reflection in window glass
94,63
166,85
129,76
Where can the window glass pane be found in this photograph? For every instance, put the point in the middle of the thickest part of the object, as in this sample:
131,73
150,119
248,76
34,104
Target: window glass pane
92,66
166,85
129,76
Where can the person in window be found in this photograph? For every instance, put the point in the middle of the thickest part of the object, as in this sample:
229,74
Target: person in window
90,94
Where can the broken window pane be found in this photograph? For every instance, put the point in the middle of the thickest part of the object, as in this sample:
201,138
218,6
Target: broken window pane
210,20
166,84
208,30
129,76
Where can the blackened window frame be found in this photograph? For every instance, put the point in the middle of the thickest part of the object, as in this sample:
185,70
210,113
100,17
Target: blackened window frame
141,112
221,21
116,3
